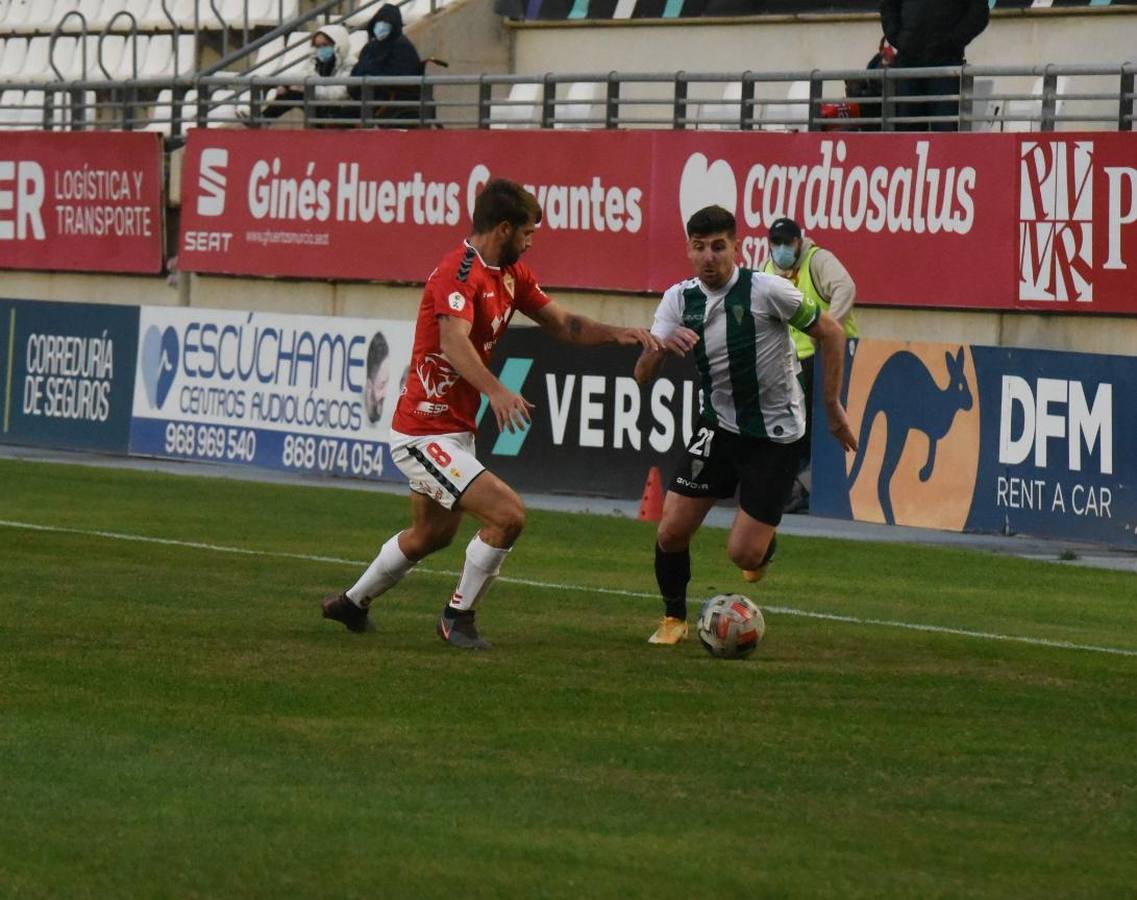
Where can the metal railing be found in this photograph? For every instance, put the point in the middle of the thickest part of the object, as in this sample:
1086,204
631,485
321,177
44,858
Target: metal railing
979,98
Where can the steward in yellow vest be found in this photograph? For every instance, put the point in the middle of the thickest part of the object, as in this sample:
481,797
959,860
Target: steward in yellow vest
821,277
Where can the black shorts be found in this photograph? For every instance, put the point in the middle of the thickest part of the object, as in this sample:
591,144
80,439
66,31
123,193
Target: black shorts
719,461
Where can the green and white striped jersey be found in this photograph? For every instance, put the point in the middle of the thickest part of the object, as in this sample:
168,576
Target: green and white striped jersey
745,356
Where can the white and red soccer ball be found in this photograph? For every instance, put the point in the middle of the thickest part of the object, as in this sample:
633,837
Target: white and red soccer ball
730,626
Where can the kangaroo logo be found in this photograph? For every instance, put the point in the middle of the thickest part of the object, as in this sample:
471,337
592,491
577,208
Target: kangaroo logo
906,396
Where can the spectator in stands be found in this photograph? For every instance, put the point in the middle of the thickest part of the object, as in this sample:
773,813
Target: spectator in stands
821,277
331,58
929,33
389,52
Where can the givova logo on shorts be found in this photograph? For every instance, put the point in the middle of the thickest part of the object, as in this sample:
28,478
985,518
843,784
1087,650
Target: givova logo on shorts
1056,207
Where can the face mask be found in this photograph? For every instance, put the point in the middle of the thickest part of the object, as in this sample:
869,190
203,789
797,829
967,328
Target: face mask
381,30
325,54
784,256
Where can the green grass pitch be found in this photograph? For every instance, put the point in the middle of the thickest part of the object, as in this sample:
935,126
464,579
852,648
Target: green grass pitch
178,721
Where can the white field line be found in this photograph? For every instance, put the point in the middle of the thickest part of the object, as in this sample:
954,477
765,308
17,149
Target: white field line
554,586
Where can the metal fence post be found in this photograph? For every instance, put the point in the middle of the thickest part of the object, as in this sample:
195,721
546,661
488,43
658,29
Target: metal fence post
746,102
612,101
887,102
966,99
679,109
813,114
548,100
1049,100
484,94
1125,101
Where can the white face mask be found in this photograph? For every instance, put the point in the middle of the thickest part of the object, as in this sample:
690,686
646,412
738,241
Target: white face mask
382,30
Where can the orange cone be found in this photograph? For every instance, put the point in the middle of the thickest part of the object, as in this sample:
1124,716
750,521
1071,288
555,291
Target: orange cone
651,507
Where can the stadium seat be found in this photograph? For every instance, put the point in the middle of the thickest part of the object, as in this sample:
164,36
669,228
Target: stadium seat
225,108
92,11
65,56
983,106
133,56
10,112
624,9
522,108
358,42
35,67
1017,112
113,47
295,59
794,115
722,116
12,62
583,102
27,15
360,17
161,115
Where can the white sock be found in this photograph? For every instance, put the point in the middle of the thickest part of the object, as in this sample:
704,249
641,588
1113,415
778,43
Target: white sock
483,563
387,570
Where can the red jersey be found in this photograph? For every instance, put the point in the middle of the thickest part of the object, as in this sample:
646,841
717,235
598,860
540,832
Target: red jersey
436,399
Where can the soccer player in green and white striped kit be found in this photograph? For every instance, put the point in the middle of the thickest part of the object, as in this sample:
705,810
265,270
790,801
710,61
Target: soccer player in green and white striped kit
737,323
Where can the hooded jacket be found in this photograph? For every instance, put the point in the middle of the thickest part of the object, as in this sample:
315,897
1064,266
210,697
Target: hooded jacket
394,55
340,67
932,32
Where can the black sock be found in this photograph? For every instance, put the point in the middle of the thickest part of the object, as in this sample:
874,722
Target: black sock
672,572
450,613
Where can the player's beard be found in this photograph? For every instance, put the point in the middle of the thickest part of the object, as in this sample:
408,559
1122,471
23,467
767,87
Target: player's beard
510,253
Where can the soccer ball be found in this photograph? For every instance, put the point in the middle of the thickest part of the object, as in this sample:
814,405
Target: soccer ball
730,626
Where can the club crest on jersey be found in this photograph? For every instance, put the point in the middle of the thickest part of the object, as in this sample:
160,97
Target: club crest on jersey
510,282
436,375
457,302
739,312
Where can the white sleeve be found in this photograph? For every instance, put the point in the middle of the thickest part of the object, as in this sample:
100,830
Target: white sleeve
669,315
776,294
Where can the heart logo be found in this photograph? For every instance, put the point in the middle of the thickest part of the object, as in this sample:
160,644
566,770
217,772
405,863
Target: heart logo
159,363
705,185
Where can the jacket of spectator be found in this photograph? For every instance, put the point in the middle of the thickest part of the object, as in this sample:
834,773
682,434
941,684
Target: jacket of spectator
393,55
340,67
932,32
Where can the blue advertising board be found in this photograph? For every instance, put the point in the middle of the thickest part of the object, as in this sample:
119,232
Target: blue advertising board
310,394
985,439
68,374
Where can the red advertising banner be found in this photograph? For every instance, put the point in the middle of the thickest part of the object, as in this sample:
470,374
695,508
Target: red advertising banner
987,221
81,201
388,206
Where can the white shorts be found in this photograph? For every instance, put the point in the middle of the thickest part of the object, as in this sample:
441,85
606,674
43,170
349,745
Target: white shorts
441,466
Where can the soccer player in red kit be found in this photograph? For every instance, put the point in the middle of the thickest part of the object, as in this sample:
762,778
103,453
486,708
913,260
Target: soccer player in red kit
466,307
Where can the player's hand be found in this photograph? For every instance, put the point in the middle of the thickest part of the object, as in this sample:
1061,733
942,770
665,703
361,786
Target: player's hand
641,336
511,410
681,341
839,427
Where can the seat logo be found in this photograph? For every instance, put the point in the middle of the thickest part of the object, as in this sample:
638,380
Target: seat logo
211,181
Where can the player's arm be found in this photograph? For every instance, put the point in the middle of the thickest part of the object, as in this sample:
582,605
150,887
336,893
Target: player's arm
576,329
830,339
680,342
510,409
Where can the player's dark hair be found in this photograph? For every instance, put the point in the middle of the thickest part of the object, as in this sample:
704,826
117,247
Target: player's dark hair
711,220
502,200
377,351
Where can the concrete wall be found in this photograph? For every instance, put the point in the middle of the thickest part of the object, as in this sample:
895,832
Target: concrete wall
783,43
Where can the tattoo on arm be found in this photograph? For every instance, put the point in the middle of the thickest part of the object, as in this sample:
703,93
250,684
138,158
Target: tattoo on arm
575,328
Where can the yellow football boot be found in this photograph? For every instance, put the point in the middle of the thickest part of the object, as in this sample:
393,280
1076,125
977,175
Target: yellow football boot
670,631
